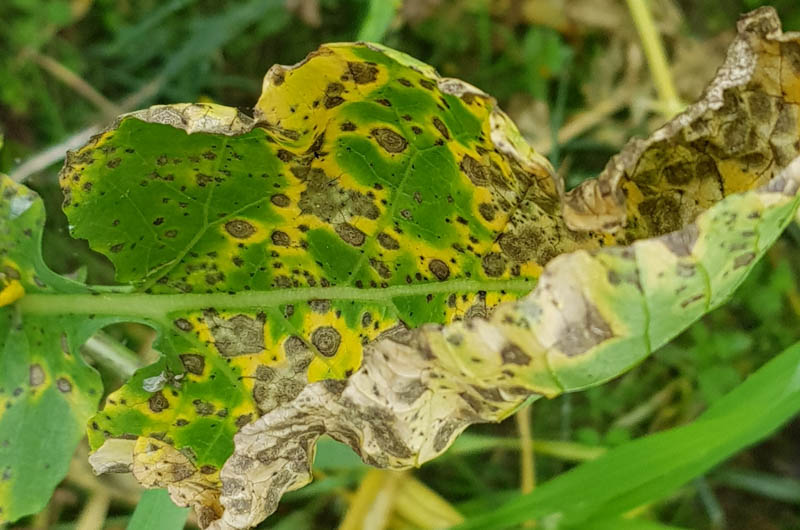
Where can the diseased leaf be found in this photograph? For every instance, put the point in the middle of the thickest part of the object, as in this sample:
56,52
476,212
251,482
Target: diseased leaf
46,390
300,265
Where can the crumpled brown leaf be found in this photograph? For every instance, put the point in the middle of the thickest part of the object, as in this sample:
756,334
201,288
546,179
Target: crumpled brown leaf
592,314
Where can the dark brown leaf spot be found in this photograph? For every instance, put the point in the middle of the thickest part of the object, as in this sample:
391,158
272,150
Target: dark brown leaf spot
389,140
203,408
243,420
326,339
427,84
193,363
36,375
294,346
366,319
158,402
494,264
183,324
362,73
487,211
439,269
320,306
350,234
280,200
280,239
585,331
240,229
743,260
440,126
63,385
387,241
477,173
203,179
513,354
239,335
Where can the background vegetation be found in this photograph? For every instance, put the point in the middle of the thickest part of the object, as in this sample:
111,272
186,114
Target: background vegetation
573,75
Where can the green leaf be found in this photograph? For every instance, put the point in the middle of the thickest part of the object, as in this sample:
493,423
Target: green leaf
156,510
47,392
650,468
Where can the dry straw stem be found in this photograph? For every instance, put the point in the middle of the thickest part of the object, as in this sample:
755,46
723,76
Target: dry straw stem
75,82
526,461
371,506
670,103
55,153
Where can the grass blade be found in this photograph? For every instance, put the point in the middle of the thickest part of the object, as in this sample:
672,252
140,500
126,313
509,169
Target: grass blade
649,468
377,20
156,510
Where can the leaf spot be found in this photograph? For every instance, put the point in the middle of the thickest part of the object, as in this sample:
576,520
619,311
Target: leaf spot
240,229
326,339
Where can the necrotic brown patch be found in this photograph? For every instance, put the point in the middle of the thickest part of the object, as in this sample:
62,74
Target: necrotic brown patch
63,385
439,269
326,339
158,402
389,140
513,354
36,375
238,336
585,332
333,96
440,126
494,264
350,234
487,211
362,73
280,200
193,363
183,324
240,229
477,173
387,241
280,239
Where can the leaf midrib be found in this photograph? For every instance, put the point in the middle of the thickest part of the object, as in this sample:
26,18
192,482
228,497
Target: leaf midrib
158,306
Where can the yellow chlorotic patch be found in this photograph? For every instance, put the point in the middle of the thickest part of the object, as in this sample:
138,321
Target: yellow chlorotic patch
11,292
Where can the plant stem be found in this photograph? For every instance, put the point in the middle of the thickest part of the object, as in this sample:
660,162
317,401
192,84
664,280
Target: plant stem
108,352
526,460
372,503
653,47
94,513
424,508
76,83
570,451
646,409
157,306
55,153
